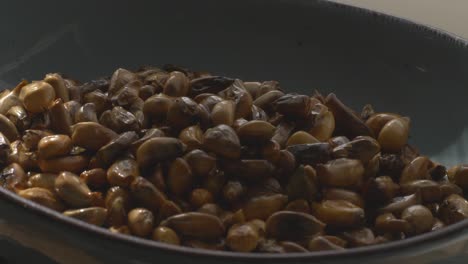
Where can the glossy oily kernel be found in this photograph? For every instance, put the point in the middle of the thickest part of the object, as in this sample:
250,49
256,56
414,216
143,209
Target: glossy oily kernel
256,131
301,137
140,222
197,225
93,215
90,135
419,218
37,96
54,146
73,190
278,226
43,197
242,238
166,235
159,149
339,213
222,140
344,173
394,134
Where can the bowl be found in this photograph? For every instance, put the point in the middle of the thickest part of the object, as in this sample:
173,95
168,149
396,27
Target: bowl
361,55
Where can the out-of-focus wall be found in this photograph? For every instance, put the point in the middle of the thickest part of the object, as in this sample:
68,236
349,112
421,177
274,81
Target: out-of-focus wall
449,15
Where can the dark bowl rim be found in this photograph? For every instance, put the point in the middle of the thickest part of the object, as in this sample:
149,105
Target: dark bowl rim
433,236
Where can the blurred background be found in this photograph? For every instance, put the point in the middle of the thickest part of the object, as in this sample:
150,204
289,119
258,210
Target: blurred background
448,15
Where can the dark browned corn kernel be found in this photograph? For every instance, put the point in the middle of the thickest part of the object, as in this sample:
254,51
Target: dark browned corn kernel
303,184
347,122
37,96
293,106
92,215
282,133
99,99
43,197
459,176
60,120
256,132
42,180
342,194
200,197
271,151
117,211
311,154
301,206
339,213
177,84
200,162
387,222
159,149
31,138
286,164
242,238
73,190
117,147
16,152
196,225
90,135
166,235
75,164
363,149
278,226
301,137
147,194
419,218
454,209
157,106
223,141
8,129
140,222
86,113
377,121
265,101
394,135
251,170
417,169
182,113
341,173
95,178
124,230
123,172
192,137
321,243
380,190
430,190
233,191
359,237
179,178
214,181
264,206
223,113
209,84
54,146
398,204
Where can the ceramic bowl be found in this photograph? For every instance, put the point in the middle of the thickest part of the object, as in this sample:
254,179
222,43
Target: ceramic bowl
362,56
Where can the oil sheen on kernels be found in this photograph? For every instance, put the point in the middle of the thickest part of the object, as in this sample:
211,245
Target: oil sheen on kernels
186,157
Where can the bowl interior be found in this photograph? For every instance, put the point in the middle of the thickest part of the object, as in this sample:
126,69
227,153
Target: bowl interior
306,45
